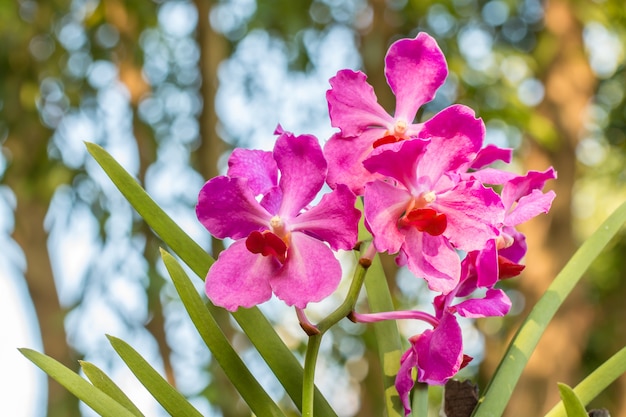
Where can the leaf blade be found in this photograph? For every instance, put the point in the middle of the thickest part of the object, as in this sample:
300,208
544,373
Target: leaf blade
100,402
171,400
105,384
573,406
245,383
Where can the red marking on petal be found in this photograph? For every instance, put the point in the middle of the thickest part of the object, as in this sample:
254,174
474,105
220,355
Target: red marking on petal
386,140
266,244
466,360
427,220
508,269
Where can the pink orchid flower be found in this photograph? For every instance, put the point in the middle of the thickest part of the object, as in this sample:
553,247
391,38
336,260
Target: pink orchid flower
415,69
262,203
424,210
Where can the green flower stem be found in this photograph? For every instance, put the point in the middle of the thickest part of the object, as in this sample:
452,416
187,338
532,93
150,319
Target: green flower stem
308,385
315,339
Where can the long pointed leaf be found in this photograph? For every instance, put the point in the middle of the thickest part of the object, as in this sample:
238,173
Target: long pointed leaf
501,386
260,332
249,388
173,401
102,381
573,406
100,402
596,382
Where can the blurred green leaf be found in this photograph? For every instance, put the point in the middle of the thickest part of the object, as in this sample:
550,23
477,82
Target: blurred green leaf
501,386
573,406
595,382
249,388
100,402
172,400
102,381
254,324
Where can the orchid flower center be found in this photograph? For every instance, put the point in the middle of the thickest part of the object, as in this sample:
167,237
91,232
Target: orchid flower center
398,134
423,218
273,242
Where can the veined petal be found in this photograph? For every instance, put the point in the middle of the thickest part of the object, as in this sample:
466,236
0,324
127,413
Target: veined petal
302,171
518,187
494,303
334,220
456,137
384,205
345,160
353,105
487,265
434,259
259,167
415,69
517,250
490,154
310,273
474,213
489,176
398,160
529,206
227,208
440,351
240,278
404,379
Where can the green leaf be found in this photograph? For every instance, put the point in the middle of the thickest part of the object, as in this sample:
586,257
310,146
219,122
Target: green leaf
387,336
501,386
173,401
573,406
262,335
249,388
193,254
596,382
102,381
100,402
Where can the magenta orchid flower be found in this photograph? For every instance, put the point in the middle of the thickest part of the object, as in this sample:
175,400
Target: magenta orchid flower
415,69
262,203
424,211
523,199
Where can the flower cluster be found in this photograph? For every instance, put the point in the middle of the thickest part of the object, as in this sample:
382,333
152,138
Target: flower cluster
428,193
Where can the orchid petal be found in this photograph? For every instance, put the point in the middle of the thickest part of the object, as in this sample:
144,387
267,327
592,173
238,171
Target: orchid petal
490,154
434,259
345,160
227,208
353,105
404,379
384,205
529,206
259,167
440,351
334,220
310,273
473,212
518,187
240,278
494,303
302,171
456,137
490,176
517,250
415,69
398,160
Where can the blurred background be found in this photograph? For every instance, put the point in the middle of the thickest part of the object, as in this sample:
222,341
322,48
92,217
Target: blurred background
169,87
